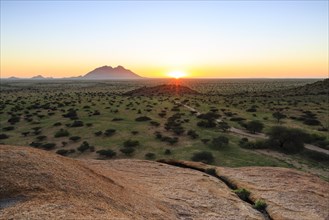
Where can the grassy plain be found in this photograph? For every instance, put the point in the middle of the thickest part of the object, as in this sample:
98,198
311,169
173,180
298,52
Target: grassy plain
102,105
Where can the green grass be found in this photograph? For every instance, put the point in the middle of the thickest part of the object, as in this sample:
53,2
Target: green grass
107,96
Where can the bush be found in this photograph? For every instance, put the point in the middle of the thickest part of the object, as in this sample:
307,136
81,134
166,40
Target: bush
317,156
57,124
3,136
9,128
219,142
75,138
109,132
83,147
62,133
254,126
223,126
288,140
155,123
211,171
127,151
260,204
41,138
77,124
130,143
98,133
134,132
204,156
242,193
206,124
278,116
35,144
150,156
117,119
48,146
312,122
62,152
192,134
14,120
107,153
167,152
259,144
143,118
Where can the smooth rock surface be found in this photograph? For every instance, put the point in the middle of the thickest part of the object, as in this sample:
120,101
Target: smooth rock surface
54,187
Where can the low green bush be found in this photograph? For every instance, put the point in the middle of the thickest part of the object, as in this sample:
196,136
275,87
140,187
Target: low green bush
260,204
203,156
242,193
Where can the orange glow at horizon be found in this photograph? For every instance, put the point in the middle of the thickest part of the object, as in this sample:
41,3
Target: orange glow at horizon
177,74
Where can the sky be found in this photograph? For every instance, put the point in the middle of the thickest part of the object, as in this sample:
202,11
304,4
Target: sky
204,39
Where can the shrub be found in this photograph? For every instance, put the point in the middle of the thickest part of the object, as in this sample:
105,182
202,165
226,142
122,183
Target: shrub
41,138
62,133
167,152
83,147
35,144
205,140
150,156
62,152
204,156
223,126
192,134
317,156
211,171
155,123
98,133
206,124
14,120
57,124
77,124
288,140
9,128
254,126
311,121
3,136
134,132
109,132
278,116
127,151
75,138
107,153
242,193
130,143
260,204
117,119
89,124
143,118
237,119
219,142
48,146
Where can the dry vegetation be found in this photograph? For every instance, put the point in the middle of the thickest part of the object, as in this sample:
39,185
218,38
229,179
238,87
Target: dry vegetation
93,119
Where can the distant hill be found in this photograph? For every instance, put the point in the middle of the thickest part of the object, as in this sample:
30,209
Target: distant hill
316,88
107,72
162,90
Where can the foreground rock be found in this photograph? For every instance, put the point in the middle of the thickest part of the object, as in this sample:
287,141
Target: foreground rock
36,184
48,186
289,194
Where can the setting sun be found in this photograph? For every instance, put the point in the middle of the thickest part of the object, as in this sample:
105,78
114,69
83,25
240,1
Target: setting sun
177,74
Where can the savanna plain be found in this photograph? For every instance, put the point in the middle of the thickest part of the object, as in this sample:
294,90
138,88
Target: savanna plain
223,122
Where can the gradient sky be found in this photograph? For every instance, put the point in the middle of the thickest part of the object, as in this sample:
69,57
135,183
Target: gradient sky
205,39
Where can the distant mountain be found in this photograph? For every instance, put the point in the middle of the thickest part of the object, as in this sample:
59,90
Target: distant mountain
107,72
40,77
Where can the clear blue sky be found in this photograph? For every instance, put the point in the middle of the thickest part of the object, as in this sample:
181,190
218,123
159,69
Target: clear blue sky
214,38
